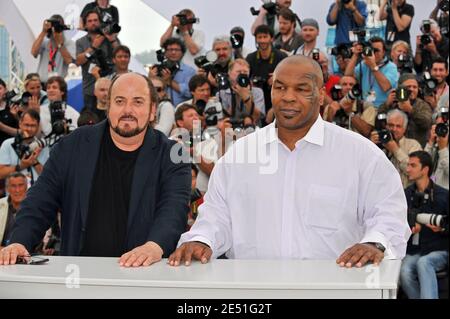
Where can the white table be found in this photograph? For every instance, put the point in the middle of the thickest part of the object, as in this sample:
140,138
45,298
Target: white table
219,279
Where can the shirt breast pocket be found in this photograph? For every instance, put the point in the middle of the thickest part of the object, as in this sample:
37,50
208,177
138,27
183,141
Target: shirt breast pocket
325,207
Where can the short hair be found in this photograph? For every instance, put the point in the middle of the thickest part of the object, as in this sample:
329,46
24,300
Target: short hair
401,43
397,112
220,39
99,81
87,117
172,41
237,29
238,61
377,39
122,48
424,159
57,17
187,12
183,108
89,12
439,60
158,78
287,14
62,84
14,175
2,83
263,29
31,113
153,95
197,81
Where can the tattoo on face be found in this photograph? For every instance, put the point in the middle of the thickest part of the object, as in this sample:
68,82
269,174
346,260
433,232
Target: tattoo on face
314,96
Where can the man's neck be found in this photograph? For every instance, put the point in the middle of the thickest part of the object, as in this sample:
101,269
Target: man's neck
308,46
290,137
15,205
101,106
265,54
128,144
441,85
422,183
286,37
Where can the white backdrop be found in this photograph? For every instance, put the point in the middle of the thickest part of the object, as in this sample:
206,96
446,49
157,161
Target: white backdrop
23,18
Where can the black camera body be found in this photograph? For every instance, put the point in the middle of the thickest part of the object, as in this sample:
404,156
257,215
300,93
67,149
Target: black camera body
223,81
444,5
360,33
208,62
243,80
402,94
259,81
342,50
24,149
271,8
427,84
185,21
57,26
211,116
58,118
346,1
105,64
384,136
354,93
165,63
416,215
13,97
237,41
315,54
442,128
336,93
405,63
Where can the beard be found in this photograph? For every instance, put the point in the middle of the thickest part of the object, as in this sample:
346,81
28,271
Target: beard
128,133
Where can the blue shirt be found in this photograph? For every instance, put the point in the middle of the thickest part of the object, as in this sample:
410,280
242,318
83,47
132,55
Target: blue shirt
182,77
345,21
369,83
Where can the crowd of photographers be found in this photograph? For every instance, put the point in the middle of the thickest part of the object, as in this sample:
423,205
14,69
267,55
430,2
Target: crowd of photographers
378,87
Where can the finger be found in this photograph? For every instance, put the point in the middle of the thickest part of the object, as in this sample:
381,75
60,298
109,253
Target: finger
355,258
6,257
13,257
131,259
140,260
207,253
149,261
188,254
175,257
344,257
124,258
378,258
364,259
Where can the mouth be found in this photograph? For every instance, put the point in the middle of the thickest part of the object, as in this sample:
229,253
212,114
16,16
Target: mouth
289,112
128,119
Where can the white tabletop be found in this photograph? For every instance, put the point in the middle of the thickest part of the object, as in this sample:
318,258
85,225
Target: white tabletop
251,275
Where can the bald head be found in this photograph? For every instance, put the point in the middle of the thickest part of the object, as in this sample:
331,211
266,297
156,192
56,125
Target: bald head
131,79
309,66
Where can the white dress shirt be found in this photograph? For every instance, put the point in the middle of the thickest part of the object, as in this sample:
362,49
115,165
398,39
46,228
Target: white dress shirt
335,189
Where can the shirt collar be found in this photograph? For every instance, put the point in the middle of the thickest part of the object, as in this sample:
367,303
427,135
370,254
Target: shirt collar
315,134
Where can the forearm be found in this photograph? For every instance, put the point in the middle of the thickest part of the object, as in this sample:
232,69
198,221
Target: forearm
8,129
359,19
418,57
402,158
166,35
175,86
400,24
332,16
350,69
361,126
382,81
66,55
39,168
190,44
6,170
258,21
81,58
35,48
383,12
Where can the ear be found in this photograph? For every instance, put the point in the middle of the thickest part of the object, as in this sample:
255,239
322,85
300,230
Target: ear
322,95
152,113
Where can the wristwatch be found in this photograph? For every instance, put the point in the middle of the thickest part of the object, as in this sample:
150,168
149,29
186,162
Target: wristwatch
378,246
376,68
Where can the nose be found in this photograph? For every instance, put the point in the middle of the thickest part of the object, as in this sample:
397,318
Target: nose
289,95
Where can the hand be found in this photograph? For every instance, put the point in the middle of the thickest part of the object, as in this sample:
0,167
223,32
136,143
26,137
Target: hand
416,229
431,47
433,136
357,49
8,255
262,11
374,137
188,250
166,76
334,107
350,6
346,105
175,21
244,93
96,72
405,106
34,103
435,229
15,109
144,255
153,71
202,72
391,146
30,160
370,61
111,37
359,254
418,44
97,41
59,39
270,79
432,100
46,26
391,98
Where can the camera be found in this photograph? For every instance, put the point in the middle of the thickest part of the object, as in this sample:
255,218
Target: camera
346,1
185,21
315,54
237,41
270,7
243,80
336,93
415,215
444,5
259,81
442,128
58,119
367,50
211,120
24,149
106,65
165,63
427,84
57,26
354,93
402,94
425,39
223,82
342,50
384,134
13,97
207,62
360,33
405,63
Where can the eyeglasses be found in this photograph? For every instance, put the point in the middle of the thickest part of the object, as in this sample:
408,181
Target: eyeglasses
159,89
173,49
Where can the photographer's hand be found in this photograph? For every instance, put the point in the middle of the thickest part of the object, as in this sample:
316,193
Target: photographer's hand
370,61
391,98
153,71
243,92
96,72
416,229
175,23
202,72
374,137
31,160
431,47
391,146
166,76
432,100
433,136
435,229
442,142
112,38
46,26
405,106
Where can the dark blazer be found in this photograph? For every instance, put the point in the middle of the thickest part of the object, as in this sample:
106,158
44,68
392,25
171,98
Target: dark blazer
159,199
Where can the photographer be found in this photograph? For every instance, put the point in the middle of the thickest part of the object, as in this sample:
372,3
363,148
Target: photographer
24,153
309,34
239,50
402,57
429,46
440,14
427,251
439,72
121,60
263,62
346,15
405,98
287,39
239,96
165,114
395,144
347,110
378,75
268,15
94,49
55,50
437,147
175,74
57,111
33,87
399,15
181,27
8,121
101,90
108,13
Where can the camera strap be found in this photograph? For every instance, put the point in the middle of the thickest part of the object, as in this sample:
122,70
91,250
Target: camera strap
51,56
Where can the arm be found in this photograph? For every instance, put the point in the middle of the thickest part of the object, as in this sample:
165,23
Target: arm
418,54
350,69
8,129
168,34
383,11
194,46
422,115
59,39
333,13
401,154
361,126
260,19
401,23
434,13
359,17
36,47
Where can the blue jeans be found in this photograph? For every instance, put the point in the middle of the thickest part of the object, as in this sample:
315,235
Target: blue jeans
418,274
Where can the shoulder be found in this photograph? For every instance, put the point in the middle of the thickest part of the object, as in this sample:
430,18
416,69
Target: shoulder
6,143
441,191
361,4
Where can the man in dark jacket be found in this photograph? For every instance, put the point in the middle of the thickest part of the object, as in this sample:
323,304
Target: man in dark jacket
427,250
119,192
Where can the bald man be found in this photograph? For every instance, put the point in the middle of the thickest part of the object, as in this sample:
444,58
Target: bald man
315,191
118,190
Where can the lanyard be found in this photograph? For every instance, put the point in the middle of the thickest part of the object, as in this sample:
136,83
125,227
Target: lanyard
51,57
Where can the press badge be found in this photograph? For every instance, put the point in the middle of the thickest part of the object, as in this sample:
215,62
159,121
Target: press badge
371,97
352,36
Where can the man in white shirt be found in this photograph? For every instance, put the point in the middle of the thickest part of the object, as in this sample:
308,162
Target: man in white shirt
306,190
